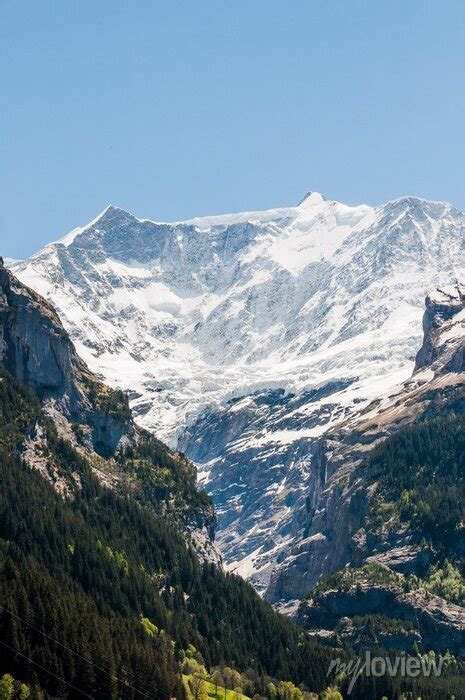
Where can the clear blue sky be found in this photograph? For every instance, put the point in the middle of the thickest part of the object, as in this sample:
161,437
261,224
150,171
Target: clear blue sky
177,109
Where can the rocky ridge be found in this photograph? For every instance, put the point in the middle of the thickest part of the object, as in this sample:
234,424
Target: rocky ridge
365,613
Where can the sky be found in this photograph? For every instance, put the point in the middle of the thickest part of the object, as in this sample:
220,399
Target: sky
178,109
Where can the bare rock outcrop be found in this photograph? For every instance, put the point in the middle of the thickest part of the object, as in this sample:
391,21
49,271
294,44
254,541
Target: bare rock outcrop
421,617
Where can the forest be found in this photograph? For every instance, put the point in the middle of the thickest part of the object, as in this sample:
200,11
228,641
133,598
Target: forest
420,477
80,575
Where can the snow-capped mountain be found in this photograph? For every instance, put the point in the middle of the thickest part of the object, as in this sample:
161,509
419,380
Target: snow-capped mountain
243,338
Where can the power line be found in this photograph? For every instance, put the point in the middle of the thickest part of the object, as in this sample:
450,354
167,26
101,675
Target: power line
15,651
112,676
67,648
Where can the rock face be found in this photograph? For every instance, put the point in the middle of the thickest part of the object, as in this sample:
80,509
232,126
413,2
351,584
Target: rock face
443,327
258,490
37,351
332,531
431,622
244,338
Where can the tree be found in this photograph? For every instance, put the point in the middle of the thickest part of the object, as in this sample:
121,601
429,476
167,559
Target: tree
198,687
7,687
288,691
22,691
331,694
232,678
271,691
217,680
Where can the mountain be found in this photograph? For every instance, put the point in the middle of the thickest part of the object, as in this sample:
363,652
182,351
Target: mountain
106,587
347,517
36,350
244,338
379,551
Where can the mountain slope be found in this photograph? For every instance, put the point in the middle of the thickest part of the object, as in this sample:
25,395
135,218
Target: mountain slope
83,577
407,562
256,332
100,588
391,477
96,420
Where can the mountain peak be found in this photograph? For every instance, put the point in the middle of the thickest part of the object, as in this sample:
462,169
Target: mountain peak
312,199
110,212
410,201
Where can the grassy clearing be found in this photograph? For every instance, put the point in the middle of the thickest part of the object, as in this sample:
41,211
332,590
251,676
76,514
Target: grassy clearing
223,693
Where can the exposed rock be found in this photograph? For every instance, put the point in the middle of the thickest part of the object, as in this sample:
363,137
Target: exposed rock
37,351
258,491
334,532
35,454
444,331
406,559
435,624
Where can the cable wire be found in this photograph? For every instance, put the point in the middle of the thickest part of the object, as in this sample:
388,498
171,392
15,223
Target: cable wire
15,651
112,676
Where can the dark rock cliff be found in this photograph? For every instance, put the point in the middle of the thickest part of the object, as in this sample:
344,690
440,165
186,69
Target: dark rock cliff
37,351
421,617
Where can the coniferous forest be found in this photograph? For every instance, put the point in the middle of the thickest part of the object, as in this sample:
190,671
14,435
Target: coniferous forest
420,473
100,597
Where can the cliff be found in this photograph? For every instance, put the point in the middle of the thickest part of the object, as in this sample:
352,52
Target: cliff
37,351
388,490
